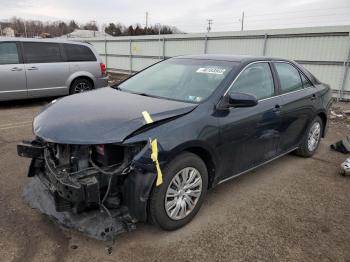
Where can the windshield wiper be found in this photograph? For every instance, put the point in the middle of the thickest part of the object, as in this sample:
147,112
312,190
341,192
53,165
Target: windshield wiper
117,88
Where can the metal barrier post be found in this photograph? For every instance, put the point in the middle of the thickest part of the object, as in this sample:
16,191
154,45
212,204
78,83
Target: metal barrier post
106,57
163,47
130,56
345,74
205,44
264,46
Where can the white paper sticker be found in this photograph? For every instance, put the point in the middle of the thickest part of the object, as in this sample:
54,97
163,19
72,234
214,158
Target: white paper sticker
211,70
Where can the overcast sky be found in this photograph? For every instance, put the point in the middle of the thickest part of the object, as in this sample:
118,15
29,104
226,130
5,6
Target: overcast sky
188,16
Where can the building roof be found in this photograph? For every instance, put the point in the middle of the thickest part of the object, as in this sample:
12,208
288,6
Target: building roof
78,33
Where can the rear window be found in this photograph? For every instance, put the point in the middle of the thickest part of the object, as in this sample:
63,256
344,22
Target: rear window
289,77
8,53
76,53
41,52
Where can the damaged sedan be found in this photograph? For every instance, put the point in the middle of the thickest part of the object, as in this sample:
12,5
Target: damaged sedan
149,148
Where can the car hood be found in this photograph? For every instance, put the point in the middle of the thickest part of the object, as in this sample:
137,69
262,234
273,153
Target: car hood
102,116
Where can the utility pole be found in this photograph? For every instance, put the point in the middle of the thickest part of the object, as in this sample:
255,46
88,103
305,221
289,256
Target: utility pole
94,23
210,22
146,19
242,21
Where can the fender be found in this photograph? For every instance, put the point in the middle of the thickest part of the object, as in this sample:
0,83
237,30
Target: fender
192,144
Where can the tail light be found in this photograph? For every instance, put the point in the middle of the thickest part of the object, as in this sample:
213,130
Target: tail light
103,69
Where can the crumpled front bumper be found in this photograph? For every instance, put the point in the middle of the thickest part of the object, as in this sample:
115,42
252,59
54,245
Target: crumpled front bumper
94,223
56,197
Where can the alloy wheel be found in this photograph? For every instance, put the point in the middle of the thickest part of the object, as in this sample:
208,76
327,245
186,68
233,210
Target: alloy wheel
81,87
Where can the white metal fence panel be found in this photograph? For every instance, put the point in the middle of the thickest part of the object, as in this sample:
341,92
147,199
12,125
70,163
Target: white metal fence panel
236,46
141,63
325,51
330,74
122,63
147,48
117,48
184,47
320,48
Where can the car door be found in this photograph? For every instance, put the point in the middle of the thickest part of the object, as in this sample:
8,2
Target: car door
250,136
298,98
12,74
47,72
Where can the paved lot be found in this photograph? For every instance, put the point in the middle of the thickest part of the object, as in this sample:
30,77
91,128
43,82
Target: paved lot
292,209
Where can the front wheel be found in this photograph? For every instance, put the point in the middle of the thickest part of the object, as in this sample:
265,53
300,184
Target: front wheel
311,139
177,200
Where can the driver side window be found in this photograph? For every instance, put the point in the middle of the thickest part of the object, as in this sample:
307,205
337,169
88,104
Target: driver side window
256,79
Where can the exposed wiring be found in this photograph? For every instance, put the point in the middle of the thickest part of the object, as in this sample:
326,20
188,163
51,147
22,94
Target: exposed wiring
121,166
107,211
108,189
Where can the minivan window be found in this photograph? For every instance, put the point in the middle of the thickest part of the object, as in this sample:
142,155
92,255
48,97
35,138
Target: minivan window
8,53
289,77
41,52
76,53
256,79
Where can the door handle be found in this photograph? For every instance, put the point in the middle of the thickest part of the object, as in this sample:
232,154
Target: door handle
313,97
32,68
16,69
277,109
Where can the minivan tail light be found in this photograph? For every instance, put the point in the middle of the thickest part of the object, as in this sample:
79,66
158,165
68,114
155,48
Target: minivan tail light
103,69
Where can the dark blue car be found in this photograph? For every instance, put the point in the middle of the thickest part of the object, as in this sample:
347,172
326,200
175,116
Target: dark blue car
209,118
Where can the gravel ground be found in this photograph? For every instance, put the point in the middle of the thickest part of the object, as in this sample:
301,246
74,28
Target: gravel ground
292,209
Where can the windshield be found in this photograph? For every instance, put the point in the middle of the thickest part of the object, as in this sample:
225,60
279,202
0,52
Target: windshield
189,80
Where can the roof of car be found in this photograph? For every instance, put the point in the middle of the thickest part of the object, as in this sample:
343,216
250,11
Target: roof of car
45,40
231,58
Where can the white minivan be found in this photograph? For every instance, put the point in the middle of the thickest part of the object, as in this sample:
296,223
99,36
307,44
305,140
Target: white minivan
37,68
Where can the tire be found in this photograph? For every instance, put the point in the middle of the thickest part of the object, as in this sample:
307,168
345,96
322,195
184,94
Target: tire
188,163
80,85
305,150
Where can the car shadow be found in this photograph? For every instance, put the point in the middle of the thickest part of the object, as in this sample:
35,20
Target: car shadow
25,103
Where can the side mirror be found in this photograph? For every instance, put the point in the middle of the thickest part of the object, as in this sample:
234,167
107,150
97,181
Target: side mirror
236,99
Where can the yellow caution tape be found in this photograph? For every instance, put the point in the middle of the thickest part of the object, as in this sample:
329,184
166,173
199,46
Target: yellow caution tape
154,149
147,117
154,156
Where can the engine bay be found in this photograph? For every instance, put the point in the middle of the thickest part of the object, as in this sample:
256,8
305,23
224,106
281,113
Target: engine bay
75,183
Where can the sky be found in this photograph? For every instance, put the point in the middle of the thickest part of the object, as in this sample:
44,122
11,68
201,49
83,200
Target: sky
186,15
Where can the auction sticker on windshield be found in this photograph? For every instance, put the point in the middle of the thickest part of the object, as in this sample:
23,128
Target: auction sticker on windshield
211,70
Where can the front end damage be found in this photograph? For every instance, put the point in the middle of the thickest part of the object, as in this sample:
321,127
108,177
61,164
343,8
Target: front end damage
101,190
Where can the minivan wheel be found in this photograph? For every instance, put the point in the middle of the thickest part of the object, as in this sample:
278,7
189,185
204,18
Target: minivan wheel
177,200
80,85
311,139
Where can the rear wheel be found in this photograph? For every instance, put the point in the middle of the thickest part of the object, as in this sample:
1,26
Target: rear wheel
311,139
80,85
175,202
